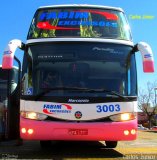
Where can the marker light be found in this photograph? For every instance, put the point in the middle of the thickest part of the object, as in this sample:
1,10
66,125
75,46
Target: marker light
123,117
30,131
23,130
133,131
126,132
33,115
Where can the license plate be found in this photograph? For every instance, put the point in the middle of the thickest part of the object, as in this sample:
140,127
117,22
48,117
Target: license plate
78,131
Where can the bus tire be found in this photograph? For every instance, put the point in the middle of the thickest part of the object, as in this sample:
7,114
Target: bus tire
45,144
111,144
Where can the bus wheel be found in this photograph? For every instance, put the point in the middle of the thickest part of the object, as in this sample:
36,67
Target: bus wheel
111,144
45,144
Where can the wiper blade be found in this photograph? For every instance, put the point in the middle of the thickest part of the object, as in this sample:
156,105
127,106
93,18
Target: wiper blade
107,91
80,89
46,91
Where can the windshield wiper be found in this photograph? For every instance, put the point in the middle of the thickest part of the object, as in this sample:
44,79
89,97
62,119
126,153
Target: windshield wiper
80,89
110,92
48,90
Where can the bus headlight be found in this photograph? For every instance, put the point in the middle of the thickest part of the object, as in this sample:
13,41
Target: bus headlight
33,115
123,117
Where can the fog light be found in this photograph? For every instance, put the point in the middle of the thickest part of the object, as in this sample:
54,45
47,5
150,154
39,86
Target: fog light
23,130
133,131
30,131
126,132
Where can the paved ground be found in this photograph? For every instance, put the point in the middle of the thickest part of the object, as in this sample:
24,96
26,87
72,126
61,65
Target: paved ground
145,147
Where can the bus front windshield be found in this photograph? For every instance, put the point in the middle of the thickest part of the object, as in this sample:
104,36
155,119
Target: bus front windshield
79,22
77,68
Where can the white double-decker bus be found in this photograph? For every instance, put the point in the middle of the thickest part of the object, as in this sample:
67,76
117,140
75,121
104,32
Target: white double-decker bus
79,75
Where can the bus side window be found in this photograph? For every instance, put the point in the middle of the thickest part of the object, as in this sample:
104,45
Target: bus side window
27,76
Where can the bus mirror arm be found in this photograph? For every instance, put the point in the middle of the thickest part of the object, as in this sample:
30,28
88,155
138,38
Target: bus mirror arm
135,49
147,56
23,46
8,55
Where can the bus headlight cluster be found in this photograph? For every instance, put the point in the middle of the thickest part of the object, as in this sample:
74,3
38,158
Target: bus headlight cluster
33,115
123,117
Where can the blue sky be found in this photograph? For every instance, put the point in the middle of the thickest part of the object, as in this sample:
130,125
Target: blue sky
15,18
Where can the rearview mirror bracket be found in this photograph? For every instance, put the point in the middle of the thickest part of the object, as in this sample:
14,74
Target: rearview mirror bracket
147,56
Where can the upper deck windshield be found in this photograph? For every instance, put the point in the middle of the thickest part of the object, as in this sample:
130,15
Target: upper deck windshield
79,22
64,68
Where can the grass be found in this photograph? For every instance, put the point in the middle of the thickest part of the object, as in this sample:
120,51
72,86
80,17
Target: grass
146,143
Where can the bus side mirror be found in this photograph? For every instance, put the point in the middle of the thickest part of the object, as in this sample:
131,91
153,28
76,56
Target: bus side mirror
8,55
147,56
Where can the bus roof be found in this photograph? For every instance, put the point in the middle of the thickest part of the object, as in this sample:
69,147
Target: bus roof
124,42
82,5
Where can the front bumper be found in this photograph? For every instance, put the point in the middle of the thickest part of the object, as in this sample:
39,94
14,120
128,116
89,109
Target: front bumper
95,131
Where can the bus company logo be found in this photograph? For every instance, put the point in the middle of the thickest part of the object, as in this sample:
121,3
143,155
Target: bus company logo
78,115
76,15
147,56
74,18
57,108
7,52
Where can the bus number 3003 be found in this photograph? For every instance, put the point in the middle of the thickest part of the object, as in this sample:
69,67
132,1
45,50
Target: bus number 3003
108,108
